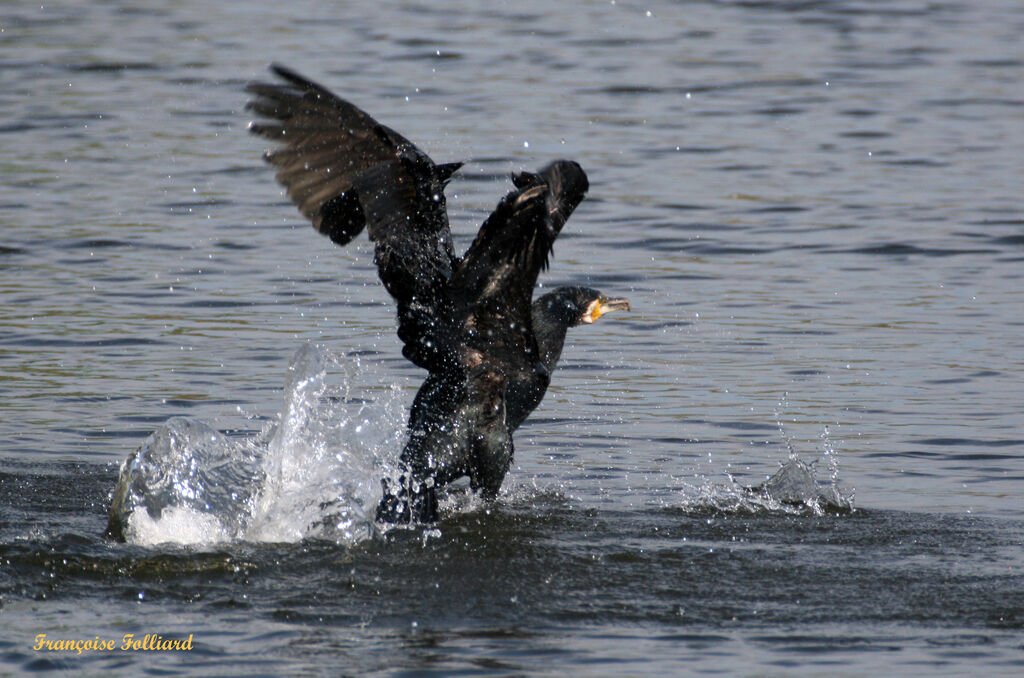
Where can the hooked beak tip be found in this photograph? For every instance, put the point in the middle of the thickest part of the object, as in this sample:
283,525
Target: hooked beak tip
616,305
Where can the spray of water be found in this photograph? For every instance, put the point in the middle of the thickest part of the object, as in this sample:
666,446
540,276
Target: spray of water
793,489
313,473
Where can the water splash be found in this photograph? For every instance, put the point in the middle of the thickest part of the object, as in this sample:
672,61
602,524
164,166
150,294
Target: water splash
794,489
313,473
796,485
781,426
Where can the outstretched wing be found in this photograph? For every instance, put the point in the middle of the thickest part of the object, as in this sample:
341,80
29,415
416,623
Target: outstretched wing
500,269
346,172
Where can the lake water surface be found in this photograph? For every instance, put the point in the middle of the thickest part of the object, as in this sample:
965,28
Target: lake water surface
814,207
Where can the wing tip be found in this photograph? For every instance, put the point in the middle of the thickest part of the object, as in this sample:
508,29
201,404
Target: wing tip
569,174
560,176
292,76
293,84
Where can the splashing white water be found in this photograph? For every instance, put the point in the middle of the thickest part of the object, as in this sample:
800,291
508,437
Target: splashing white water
314,473
793,489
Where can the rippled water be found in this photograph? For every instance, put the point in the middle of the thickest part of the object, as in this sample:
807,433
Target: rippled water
815,209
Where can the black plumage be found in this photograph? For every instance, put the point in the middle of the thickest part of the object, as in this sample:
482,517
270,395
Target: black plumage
470,321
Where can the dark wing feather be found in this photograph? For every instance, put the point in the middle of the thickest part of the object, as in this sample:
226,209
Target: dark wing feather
325,144
346,172
499,272
566,184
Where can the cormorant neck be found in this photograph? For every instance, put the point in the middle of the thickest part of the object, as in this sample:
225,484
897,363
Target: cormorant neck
552,316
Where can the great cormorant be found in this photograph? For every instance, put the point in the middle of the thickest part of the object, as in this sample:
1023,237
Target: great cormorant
469,321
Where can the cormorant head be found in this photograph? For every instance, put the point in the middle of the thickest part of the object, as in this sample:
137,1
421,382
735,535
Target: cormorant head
573,306
565,307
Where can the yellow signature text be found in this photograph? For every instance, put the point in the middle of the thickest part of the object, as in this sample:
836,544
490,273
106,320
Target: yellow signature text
150,642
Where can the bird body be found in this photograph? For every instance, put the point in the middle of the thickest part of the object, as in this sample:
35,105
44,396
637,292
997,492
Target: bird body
471,322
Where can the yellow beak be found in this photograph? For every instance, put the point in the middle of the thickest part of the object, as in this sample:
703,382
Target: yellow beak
599,307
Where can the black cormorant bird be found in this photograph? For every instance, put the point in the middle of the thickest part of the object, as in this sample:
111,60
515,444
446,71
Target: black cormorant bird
469,321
